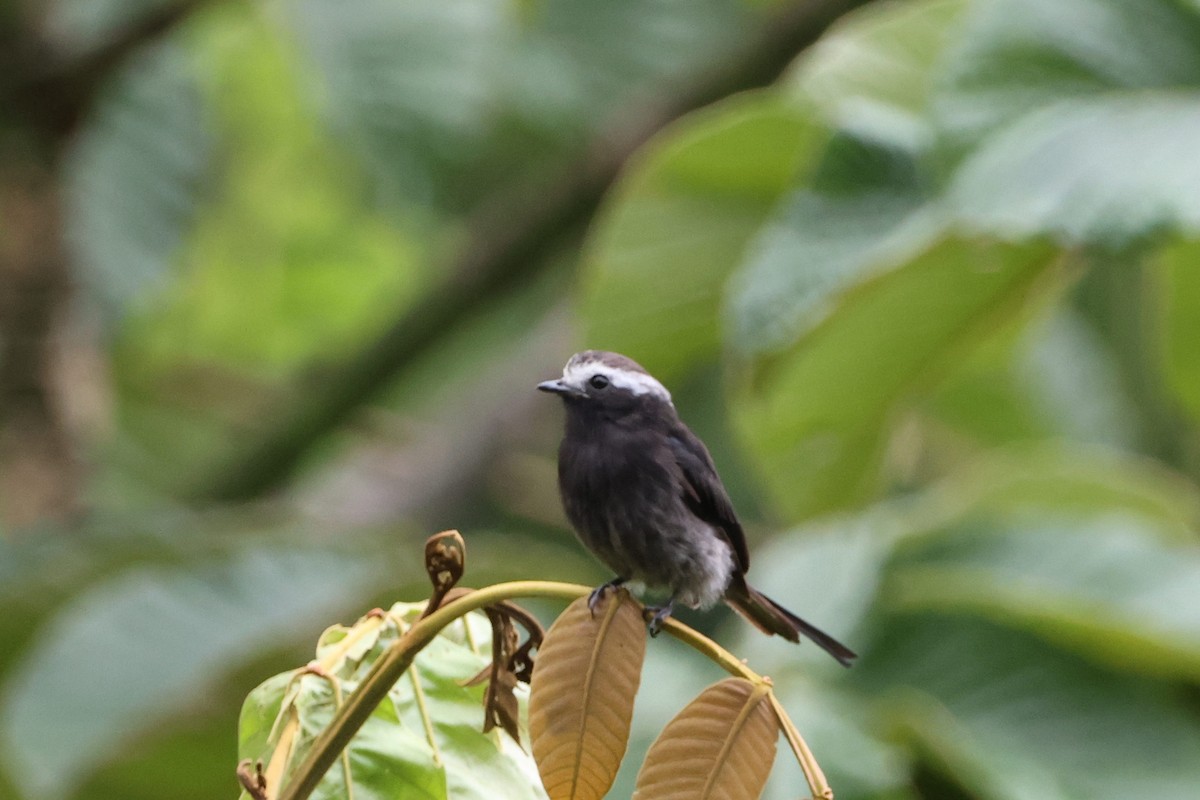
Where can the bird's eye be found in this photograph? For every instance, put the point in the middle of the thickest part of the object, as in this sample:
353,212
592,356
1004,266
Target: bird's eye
598,381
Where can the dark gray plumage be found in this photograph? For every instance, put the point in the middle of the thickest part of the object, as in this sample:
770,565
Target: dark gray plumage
643,494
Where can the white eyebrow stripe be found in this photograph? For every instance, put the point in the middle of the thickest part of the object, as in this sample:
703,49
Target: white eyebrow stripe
638,383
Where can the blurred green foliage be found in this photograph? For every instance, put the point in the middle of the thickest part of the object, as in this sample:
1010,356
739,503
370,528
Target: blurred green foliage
932,297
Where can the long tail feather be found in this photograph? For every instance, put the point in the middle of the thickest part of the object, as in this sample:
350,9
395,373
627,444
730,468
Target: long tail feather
772,618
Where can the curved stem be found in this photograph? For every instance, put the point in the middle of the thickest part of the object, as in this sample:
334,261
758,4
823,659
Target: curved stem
414,677
393,664
735,666
388,669
813,774
719,655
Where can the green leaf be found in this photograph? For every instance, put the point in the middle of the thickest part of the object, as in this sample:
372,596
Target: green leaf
477,764
1070,383
659,254
256,723
408,84
815,418
134,177
872,73
869,78
1059,479
1108,586
425,740
1014,56
154,636
441,100
622,45
1181,322
1051,376
1108,170
270,285
854,751
266,285
1008,717
1081,118
830,572
388,759
864,204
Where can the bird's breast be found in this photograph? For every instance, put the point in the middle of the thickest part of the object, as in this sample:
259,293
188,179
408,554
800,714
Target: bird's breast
624,500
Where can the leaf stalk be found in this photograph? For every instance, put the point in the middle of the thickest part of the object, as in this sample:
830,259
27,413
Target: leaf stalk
395,662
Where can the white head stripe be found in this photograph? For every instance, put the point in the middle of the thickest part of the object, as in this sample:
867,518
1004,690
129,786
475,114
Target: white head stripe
578,373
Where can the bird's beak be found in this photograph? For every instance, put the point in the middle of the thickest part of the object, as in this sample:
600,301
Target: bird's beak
554,387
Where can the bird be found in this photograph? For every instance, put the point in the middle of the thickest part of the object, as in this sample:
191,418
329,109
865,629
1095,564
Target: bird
643,495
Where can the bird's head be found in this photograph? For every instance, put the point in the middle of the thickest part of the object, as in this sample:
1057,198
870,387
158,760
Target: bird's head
600,381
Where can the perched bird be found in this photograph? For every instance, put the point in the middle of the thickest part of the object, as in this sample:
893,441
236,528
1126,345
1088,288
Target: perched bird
644,496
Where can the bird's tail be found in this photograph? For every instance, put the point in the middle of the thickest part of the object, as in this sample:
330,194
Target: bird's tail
770,617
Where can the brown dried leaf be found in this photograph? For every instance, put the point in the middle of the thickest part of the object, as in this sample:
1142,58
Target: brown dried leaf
250,776
510,663
521,662
521,659
500,699
445,561
502,708
722,745
484,674
581,696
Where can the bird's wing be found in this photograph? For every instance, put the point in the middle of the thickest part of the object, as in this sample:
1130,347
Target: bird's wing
703,491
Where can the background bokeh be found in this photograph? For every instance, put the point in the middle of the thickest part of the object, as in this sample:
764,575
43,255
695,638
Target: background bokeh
277,280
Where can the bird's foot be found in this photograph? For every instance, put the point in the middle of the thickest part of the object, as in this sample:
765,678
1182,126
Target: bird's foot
598,593
657,616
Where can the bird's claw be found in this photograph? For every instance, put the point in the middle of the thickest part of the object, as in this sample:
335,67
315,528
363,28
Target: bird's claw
658,616
597,595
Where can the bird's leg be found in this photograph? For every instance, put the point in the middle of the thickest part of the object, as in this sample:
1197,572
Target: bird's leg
658,615
598,593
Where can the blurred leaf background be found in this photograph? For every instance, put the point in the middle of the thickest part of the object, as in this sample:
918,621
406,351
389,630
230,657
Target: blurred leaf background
277,279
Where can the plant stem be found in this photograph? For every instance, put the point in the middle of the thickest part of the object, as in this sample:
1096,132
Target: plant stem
735,666
423,710
808,764
393,664
719,655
